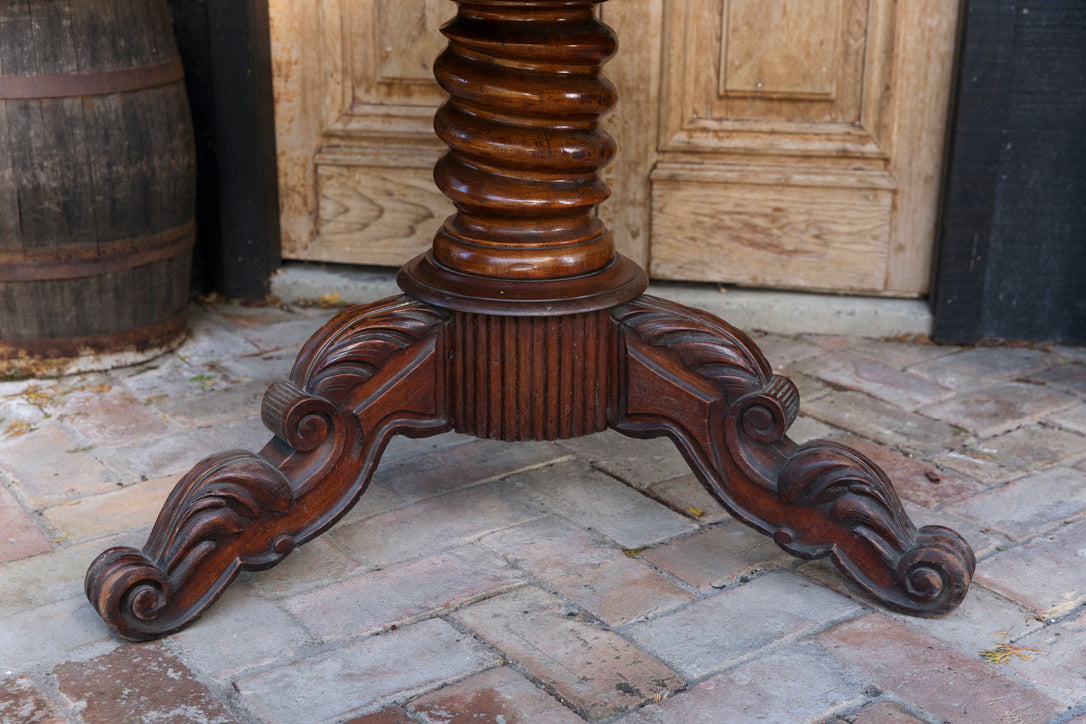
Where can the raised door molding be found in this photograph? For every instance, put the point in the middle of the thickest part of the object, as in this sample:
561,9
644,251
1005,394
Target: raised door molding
355,98
799,142
777,77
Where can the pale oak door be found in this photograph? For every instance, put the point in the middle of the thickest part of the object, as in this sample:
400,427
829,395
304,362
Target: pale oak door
772,143
354,103
782,143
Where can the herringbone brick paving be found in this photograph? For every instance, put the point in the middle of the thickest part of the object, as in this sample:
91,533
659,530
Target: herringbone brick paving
590,579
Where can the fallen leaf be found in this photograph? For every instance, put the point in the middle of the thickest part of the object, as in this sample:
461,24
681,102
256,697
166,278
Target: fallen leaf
696,512
38,397
97,389
634,552
1003,652
19,427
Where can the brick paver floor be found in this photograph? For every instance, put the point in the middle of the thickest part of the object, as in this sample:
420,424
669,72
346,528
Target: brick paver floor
585,580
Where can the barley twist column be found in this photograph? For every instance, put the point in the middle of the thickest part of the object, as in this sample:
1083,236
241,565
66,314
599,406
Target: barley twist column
525,149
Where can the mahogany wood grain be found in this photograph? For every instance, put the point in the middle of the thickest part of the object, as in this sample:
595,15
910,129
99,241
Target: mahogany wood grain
522,124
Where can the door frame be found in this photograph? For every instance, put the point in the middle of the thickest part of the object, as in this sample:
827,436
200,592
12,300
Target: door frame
226,50
1011,260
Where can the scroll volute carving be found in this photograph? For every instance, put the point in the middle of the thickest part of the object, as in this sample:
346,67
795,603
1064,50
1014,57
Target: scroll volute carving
706,385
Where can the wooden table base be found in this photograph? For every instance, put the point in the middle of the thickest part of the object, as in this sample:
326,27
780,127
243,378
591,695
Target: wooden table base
522,323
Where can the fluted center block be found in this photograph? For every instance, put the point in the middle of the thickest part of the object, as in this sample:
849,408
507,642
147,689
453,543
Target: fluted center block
531,378
525,147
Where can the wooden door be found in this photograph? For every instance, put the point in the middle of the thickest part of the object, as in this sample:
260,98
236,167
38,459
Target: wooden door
773,143
354,104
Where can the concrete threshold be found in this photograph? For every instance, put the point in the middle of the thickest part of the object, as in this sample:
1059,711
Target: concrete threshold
762,310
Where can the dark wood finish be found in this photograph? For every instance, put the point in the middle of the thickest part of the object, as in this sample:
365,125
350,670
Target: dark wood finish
1012,260
643,366
369,374
531,378
96,194
525,148
705,385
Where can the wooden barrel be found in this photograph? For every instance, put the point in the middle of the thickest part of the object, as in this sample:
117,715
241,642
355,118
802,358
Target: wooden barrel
97,185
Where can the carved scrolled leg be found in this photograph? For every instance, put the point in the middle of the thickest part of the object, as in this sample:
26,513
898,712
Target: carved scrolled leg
370,373
706,385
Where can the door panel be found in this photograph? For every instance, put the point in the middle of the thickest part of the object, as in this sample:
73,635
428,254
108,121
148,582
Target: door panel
741,73
771,228
778,143
799,142
355,98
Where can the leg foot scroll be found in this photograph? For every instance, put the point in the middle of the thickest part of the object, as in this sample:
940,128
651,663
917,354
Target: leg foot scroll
705,384
370,373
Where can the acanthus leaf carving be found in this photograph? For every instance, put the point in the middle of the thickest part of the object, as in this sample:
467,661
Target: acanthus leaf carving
359,341
818,499
239,510
704,344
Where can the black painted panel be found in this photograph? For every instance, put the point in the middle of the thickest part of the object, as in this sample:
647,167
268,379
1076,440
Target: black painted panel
1012,257
226,52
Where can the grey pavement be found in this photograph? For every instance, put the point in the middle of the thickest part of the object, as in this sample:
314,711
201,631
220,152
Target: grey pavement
584,580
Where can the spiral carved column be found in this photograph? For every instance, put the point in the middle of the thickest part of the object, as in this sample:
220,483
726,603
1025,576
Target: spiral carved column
525,149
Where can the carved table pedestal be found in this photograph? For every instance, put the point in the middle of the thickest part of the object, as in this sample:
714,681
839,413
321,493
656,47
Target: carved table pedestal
522,323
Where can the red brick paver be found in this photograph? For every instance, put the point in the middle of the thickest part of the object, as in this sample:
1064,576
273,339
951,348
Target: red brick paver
981,367
877,379
48,466
391,715
365,676
596,671
716,632
915,479
1045,574
883,712
435,523
717,557
795,684
550,582
1005,457
138,683
498,696
941,681
1028,506
370,601
688,496
23,702
883,422
998,409
19,536
593,572
1058,665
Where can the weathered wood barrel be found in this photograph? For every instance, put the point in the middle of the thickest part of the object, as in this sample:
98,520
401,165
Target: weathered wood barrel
97,185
